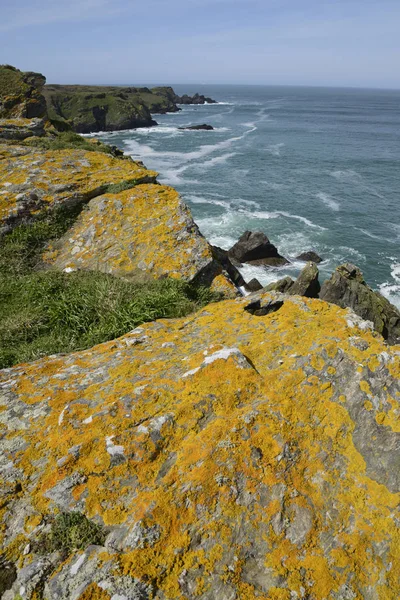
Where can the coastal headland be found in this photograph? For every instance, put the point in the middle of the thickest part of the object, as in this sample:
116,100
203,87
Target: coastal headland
166,432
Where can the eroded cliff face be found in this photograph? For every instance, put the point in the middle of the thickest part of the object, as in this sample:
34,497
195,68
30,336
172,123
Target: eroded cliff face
244,452
21,94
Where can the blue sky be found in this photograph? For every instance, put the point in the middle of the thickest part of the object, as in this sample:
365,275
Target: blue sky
290,42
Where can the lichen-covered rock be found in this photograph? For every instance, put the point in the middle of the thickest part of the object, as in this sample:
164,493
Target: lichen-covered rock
347,288
282,285
147,229
225,455
21,94
32,180
20,129
307,283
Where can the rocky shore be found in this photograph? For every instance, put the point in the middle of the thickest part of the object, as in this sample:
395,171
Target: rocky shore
246,450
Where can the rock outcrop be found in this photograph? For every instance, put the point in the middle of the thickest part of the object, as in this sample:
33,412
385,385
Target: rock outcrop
256,249
307,283
147,230
21,94
347,288
175,99
225,455
138,230
20,129
32,181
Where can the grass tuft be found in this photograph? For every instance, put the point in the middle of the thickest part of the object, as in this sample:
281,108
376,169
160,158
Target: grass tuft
70,531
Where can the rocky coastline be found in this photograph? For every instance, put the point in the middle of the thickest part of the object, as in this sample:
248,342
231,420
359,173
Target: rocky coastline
89,109
242,446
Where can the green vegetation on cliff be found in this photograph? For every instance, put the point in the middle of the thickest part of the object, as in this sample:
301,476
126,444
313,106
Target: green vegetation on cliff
21,93
95,108
68,140
43,313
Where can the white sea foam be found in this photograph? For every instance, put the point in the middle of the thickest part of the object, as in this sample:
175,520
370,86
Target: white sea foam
200,200
275,149
352,177
369,234
272,184
347,175
280,213
328,201
213,162
391,289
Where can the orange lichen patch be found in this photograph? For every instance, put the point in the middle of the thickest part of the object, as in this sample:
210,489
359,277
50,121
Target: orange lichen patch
145,230
94,592
237,452
59,176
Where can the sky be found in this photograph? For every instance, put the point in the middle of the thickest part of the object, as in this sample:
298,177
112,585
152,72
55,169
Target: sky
352,43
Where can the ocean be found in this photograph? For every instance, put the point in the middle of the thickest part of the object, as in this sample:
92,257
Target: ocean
313,168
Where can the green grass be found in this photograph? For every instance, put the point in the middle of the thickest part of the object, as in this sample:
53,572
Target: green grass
52,312
48,312
66,140
70,531
11,81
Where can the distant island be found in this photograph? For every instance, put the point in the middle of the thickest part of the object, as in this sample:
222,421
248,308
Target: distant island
89,109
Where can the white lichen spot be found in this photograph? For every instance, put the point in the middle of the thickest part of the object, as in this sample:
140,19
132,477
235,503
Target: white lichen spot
61,417
192,372
112,449
77,565
88,420
223,354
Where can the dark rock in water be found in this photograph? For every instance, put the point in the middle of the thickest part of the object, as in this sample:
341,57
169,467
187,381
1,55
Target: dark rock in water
273,261
221,256
253,285
347,289
256,249
309,256
196,99
307,283
198,127
282,285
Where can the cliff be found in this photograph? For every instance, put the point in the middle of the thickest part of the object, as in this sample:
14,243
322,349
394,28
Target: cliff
107,108
214,446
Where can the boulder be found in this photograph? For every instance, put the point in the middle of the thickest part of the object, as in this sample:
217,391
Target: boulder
347,288
253,285
307,283
198,127
255,248
144,230
309,256
282,285
247,451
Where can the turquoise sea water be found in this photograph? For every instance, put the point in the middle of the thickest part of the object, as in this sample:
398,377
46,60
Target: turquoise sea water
312,168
